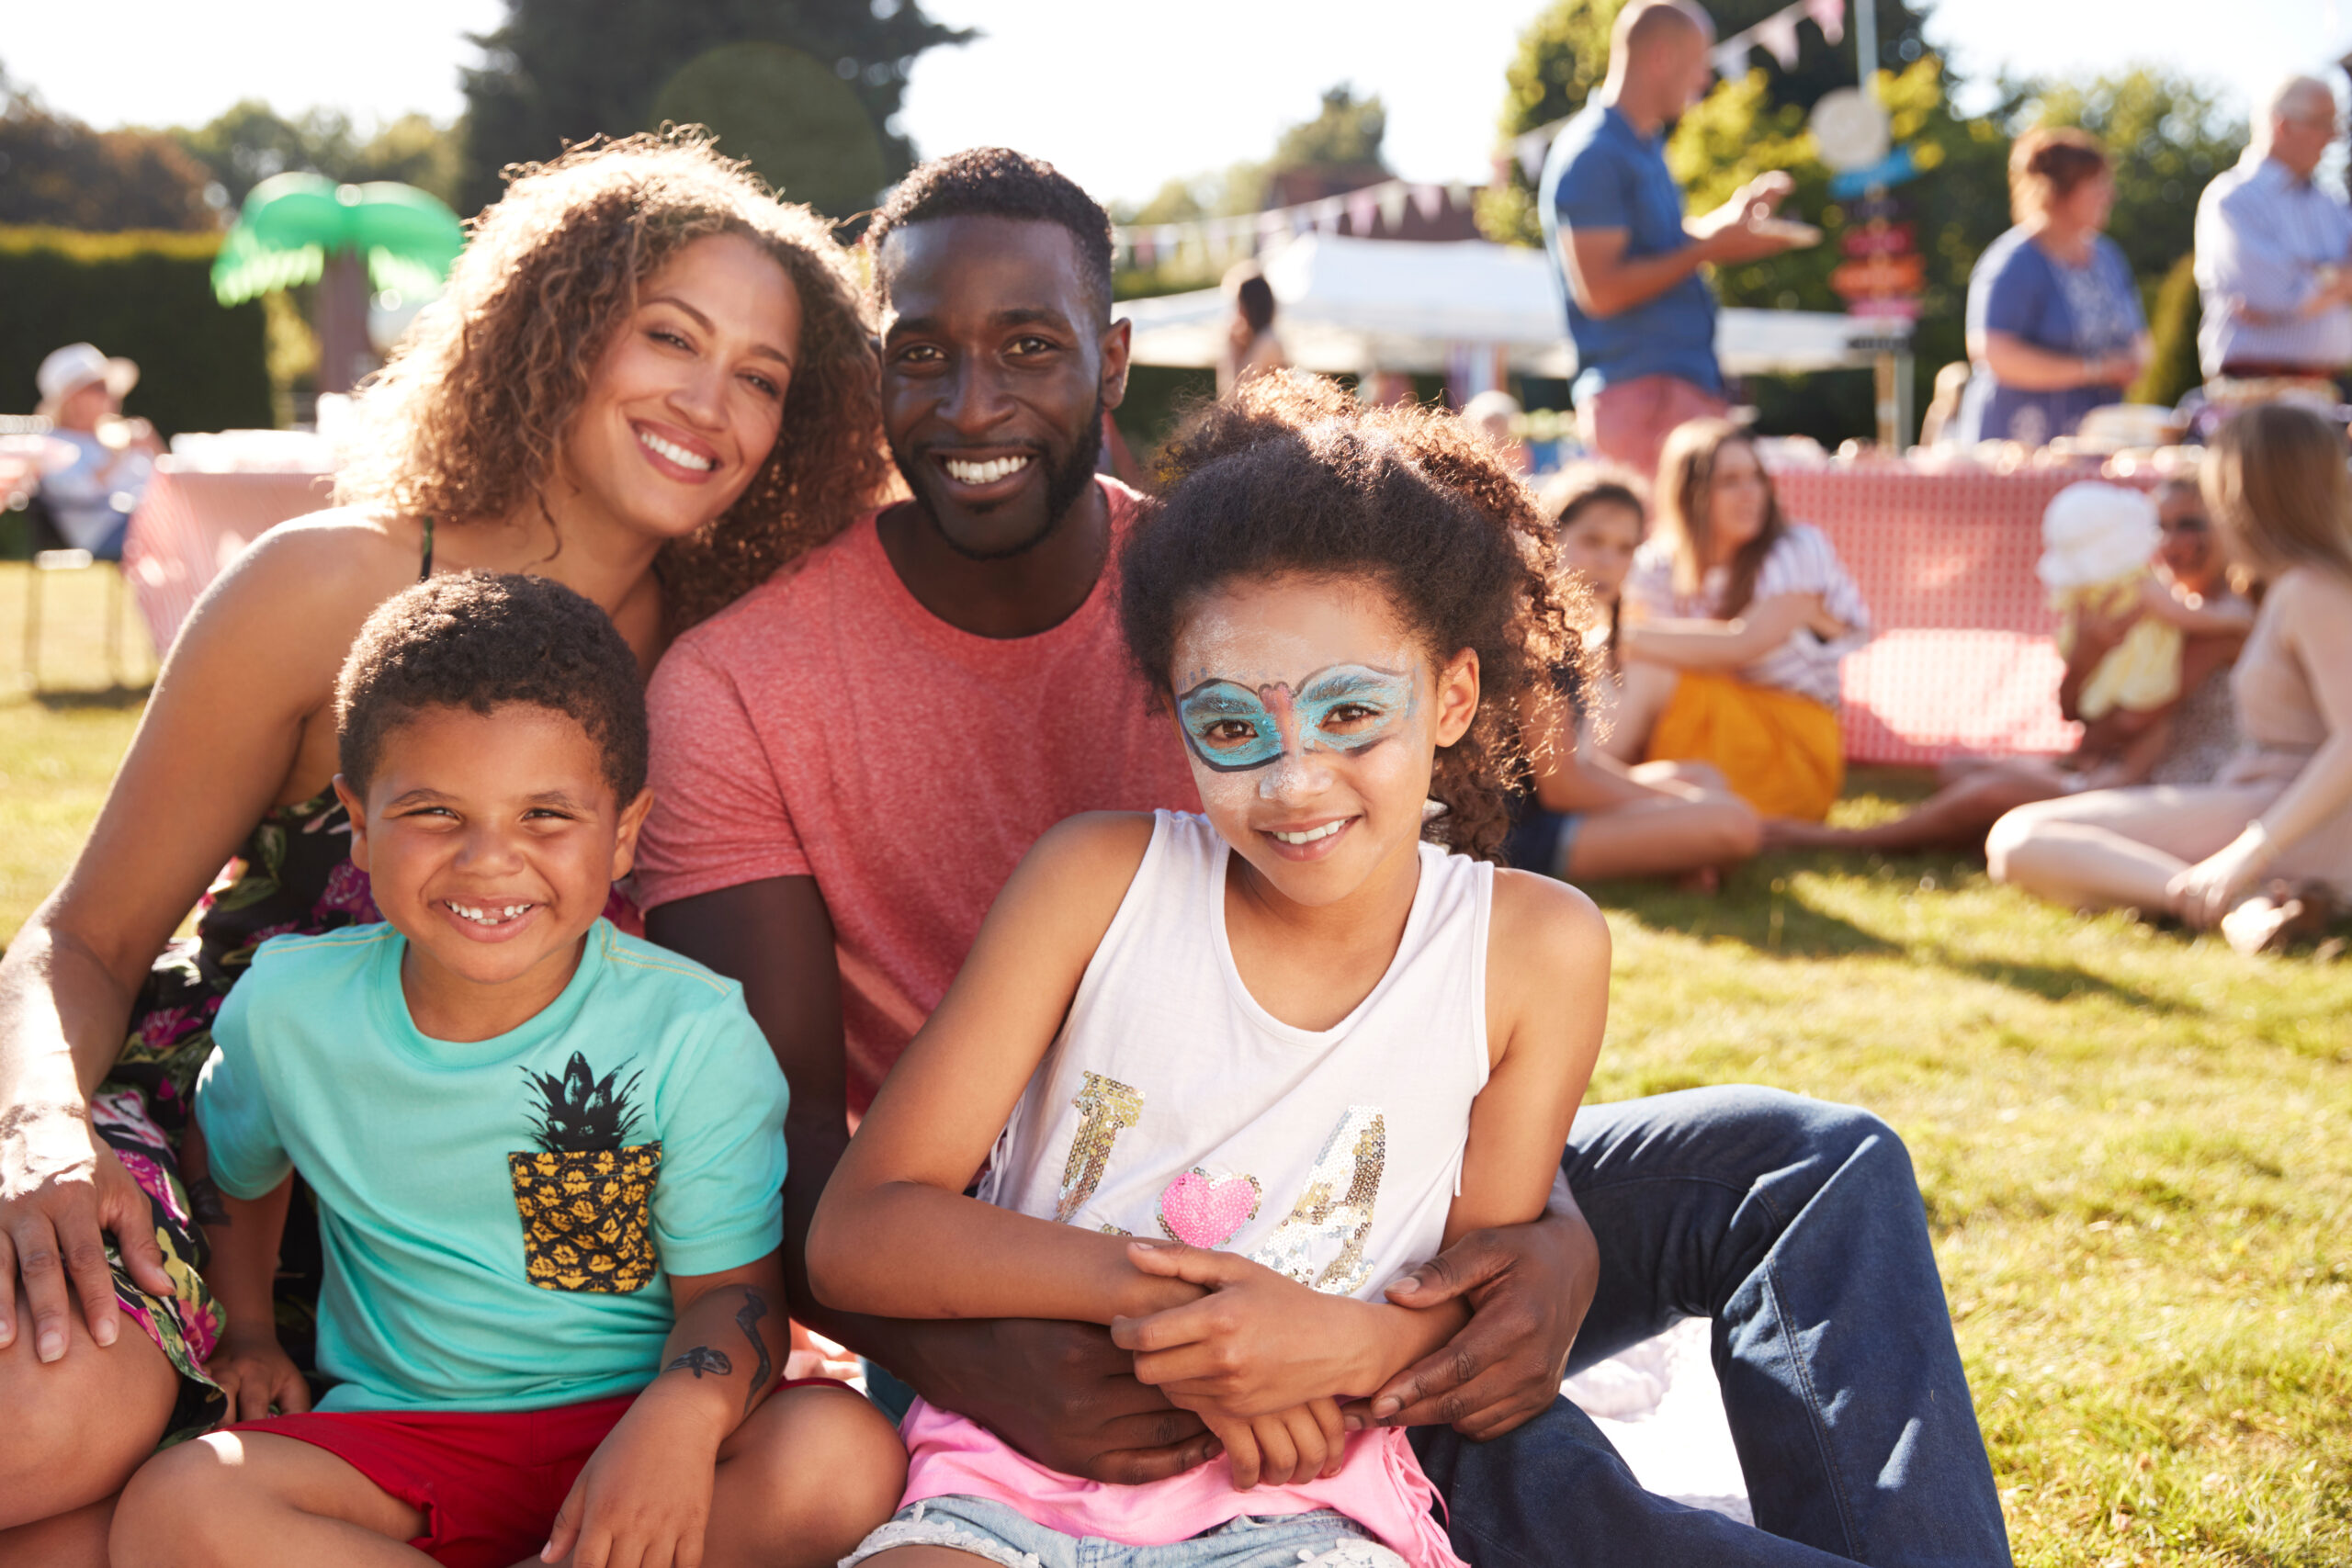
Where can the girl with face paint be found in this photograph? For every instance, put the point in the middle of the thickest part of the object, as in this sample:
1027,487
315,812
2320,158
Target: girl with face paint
1233,1073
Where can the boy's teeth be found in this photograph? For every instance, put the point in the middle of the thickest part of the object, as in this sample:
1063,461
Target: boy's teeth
995,469
1312,834
488,915
674,452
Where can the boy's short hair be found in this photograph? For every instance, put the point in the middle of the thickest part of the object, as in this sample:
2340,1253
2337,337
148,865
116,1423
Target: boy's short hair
479,640
996,182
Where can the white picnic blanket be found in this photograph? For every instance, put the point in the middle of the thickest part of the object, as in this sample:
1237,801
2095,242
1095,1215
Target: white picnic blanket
1659,1404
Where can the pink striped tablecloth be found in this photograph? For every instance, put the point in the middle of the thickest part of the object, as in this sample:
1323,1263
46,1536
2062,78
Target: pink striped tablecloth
190,525
1964,660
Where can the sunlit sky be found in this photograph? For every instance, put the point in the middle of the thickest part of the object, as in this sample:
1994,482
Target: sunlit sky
1113,93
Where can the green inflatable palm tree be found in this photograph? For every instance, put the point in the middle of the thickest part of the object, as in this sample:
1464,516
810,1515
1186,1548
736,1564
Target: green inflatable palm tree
304,227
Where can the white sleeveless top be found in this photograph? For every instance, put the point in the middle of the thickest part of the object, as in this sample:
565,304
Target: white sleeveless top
1172,1104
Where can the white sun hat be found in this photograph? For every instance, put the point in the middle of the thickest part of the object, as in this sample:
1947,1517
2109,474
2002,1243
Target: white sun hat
77,365
2096,533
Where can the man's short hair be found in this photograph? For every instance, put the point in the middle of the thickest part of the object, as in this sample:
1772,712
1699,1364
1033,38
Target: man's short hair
481,641
2283,98
996,182
1648,22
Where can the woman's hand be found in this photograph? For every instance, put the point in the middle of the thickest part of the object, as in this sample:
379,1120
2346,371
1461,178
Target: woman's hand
1821,622
2098,631
2204,893
61,1192
255,1372
643,1499
1258,1342
1298,1444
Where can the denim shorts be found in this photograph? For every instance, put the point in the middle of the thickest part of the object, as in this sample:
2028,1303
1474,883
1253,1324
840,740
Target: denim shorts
995,1533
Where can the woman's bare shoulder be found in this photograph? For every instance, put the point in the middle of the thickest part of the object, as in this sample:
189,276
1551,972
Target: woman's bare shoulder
309,582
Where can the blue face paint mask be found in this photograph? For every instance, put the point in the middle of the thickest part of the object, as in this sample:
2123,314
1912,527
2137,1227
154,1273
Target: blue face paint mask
1346,708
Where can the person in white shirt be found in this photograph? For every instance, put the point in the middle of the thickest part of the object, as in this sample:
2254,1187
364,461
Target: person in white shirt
2273,250
91,497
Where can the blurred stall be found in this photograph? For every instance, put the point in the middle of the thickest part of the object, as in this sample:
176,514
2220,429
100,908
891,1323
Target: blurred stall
1472,310
210,498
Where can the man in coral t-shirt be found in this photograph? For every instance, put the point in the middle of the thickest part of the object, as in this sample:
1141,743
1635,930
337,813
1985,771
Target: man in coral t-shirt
850,762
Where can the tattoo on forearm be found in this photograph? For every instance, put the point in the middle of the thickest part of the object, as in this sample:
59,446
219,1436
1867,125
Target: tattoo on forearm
754,1307
204,1202
700,1360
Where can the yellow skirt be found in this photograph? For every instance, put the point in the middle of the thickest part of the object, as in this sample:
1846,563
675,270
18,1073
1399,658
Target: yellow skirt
1779,752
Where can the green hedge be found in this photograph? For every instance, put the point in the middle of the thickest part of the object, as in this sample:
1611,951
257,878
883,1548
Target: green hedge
147,295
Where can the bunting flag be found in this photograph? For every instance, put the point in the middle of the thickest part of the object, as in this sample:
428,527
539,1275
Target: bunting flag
1367,209
1777,36
1531,148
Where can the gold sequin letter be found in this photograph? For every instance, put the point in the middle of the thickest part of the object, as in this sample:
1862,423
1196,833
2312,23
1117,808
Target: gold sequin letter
1106,1107
1335,1206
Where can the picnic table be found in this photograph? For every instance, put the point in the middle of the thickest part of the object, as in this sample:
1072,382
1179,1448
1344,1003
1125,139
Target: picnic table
192,521
1964,658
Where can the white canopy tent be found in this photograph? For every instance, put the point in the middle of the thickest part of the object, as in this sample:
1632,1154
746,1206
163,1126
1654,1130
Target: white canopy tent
1354,306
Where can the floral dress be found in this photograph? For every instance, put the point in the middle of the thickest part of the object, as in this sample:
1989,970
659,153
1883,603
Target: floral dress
293,875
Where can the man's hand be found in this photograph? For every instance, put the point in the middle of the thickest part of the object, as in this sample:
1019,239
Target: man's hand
1528,1287
1062,1393
1728,234
62,1191
643,1499
255,1372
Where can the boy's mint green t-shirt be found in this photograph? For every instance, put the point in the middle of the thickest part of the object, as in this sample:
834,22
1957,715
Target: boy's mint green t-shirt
500,1217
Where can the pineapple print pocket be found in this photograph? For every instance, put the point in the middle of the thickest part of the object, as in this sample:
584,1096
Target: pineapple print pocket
587,1216
586,1194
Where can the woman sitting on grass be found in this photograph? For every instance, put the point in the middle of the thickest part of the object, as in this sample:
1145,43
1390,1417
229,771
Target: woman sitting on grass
1737,622
2187,741
650,382
1592,816
1239,1071
2266,849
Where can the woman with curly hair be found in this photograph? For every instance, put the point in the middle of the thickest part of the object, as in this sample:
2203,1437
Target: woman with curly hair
1294,1042
650,381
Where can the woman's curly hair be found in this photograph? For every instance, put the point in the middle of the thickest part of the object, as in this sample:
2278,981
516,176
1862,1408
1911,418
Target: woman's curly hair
1290,474
465,422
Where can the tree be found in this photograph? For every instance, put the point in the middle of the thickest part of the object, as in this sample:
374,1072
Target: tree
560,70
250,141
56,171
1341,144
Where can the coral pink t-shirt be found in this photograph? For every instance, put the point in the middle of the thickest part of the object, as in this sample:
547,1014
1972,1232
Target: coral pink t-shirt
827,725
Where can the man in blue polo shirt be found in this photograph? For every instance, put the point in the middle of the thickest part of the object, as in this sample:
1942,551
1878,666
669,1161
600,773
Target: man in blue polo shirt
1642,318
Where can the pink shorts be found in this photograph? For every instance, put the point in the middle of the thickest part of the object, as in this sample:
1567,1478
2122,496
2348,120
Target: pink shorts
488,1482
1628,422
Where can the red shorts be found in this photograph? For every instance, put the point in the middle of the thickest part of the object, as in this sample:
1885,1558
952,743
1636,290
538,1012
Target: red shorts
488,1482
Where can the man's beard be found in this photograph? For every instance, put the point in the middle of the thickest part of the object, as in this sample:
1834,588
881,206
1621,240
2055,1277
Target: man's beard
1064,482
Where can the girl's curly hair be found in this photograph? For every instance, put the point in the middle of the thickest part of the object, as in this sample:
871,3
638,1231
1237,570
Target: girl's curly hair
1290,475
464,423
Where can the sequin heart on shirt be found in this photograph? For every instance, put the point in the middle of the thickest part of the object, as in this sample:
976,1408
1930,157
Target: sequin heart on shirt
1204,1211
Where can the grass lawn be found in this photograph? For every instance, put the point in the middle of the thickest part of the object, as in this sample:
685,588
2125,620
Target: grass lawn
2134,1142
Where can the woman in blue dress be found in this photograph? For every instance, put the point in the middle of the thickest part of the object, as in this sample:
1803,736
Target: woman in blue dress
2055,324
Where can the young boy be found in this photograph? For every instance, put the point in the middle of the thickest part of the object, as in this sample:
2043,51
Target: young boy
548,1161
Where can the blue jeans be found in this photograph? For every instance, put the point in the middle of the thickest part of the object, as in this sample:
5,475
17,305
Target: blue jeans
1797,1227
